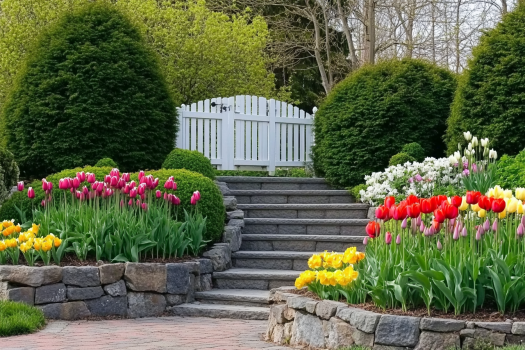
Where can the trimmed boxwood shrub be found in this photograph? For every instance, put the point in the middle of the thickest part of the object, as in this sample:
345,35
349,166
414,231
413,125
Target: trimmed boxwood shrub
106,162
490,100
370,115
415,150
189,160
401,158
211,204
90,86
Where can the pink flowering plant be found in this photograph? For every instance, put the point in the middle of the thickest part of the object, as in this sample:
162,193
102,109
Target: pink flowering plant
119,219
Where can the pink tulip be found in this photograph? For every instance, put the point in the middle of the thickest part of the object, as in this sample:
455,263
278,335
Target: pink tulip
486,225
126,189
404,223
75,183
121,203
145,206
64,184
77,194
49,186
197,194
170,197
149,181
82,197
94,185
388,238
464,232
141,174
114,172
81,176
439,246
121,183
132,184
20,186
456,233
107,179
193,200
43,203
422,227
495,225
165,196
418,221
85,190
174,188
365,240
113,181
130,203
398,240
72,190
168,185
126,177
137,202
143,196
158,194
133,193
91,178
100,187
520,230
44,184
175,200
31,193
523,220
142,189
155,182
478,234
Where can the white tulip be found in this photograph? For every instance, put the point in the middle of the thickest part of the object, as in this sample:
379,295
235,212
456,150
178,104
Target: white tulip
468,135
459,146
467,152
474,141
469,146
452,160
493,154
484,142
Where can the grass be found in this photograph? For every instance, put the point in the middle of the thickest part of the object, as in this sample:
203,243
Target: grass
17,318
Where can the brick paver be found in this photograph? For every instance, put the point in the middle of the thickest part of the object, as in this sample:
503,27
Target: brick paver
174,333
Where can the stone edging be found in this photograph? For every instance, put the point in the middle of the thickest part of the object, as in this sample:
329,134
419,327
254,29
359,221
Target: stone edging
298,320
221,253
128,290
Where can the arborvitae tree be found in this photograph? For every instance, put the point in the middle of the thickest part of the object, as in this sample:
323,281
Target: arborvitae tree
90,89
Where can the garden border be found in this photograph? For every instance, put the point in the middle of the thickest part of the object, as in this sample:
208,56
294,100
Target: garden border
298,320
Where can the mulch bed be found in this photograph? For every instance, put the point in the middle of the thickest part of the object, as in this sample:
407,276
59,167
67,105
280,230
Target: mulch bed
489,314
72,260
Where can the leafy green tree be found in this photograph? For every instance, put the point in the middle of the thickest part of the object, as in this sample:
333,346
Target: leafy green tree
90,87
203,54
490,100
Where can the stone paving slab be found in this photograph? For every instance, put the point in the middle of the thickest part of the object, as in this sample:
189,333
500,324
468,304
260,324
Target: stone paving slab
161,333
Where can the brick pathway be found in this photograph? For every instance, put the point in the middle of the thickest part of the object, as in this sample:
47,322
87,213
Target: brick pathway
174,333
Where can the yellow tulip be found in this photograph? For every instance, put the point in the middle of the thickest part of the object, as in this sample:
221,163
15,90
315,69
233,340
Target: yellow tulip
475,207
490,193
498,192
333,260
35,228
502,215
464,204
512,205
520,193
47,245
360,256
38,244
507,194
24,247
314,262
7,223
3,246
482,213
299,283
18,229
57,242
520,207
349,256
350,273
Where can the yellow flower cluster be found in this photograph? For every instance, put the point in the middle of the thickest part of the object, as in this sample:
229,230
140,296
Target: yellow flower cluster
331,269
513,204
27,240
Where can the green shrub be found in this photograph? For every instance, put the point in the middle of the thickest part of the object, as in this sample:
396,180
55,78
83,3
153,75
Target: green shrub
90,86
210,205
18,318
356,189
415,150
189,160
253,173
510,171
292,172
490,100
8,173
370,115
106,162
400,158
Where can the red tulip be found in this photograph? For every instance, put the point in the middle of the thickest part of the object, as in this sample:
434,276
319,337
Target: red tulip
400,212
414,210
426,206
436,226
439,216
81,176
372,229
473,197
381,212
390,201
412,199
31,193
158,194
141,174
498,205
388,238
456,201
441,199
451,212
20,186
91,178
484,202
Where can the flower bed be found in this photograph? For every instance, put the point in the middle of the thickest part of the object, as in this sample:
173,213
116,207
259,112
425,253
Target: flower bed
126,290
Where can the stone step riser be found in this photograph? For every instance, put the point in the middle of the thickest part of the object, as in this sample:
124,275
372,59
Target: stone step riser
293,199
306,213
259,284
278,186
343,230
273,264
298,246
216,311
231,302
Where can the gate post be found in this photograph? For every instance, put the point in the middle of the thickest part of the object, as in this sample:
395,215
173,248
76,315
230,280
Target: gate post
271,138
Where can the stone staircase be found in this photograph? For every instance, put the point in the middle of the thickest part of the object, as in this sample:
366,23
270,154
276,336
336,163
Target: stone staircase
286,221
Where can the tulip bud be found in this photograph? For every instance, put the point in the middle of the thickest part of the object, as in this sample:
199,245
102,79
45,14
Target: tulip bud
43,203
422,227
31,193
193,200
464,232
478,234
398,240
495,225
145,206
20,186
475,141
365,240
486,225
456,234
130,203
439,246
107,179
404,223
388,238
77,194
520,230
467,135
158,194
165,196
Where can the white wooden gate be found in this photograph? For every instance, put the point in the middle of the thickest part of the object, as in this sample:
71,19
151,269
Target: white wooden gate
246,130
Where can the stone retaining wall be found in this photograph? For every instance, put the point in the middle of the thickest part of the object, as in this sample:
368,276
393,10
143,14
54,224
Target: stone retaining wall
131,289
297,320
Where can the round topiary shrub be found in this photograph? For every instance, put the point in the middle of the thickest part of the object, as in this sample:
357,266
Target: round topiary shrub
8,173
370,115
401,158
490,100
189,160
104,162
415,150
90,86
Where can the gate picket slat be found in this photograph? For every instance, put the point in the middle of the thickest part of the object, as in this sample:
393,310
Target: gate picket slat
213,139
296,136
302,141
239,133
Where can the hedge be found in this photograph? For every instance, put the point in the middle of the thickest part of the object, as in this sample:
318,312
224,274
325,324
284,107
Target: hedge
189,160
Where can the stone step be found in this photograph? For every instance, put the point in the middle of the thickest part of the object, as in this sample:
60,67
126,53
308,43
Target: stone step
241,297
305,211
304,243
220,311
348,227
273,183
273,260
291,196
261,279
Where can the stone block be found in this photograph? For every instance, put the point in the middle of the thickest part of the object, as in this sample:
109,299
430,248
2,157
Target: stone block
397,330
386,347
81,276
206,282
278,334
297,303
31,276
300,265
279,283
236,214
145,304
111,273
24,295
365,321
242,284
307,330
272,264
441,325
518,328
194,267
52,293
190,296
178,278
515,339
326,309
117,289
322,230
483,335
257,245
310,306
205,266
339,333
438,341
232,236
175,299
75,310
51,311
291,230
108,306
220,256
503,327
289,314
262,229
146,277
362,338
230,203
345,313
236,223
277,312
74,293
297,246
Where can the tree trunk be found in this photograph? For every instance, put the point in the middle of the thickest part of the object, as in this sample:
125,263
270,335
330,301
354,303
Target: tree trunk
371,31
348,34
